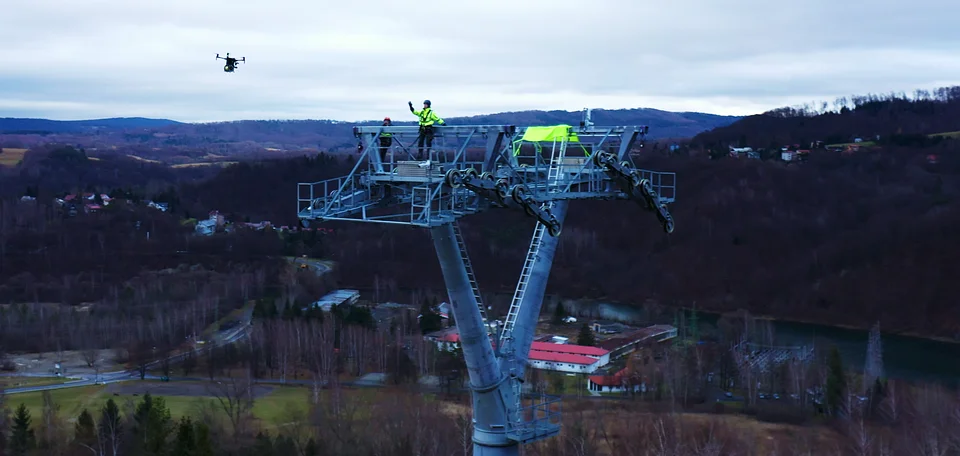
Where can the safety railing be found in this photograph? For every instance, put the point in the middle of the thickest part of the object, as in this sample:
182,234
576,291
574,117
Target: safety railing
539,420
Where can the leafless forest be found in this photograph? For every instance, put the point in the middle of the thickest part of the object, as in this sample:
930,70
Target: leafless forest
839,239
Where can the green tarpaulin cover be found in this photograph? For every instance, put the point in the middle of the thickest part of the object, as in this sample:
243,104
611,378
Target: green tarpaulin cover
548,134
551,133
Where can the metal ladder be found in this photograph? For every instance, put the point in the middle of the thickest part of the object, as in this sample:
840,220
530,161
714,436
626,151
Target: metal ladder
473,279
556,166
532,254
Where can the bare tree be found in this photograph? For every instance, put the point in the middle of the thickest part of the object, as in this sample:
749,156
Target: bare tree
235,396
281,347
859,432
52,431
891,406
930,427
4,418
465,426
580,440
165,366
320,356
59,351
296,426
110,426
741,352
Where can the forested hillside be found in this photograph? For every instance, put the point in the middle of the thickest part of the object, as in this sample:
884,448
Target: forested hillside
840,238
830,239
895,118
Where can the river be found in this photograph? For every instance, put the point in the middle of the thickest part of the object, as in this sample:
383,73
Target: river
904,357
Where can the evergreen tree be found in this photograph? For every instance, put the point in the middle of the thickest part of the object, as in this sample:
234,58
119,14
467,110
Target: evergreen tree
22,438
559,313
152,425
878,391
836,383
185,443
4,424
85,431
430,321
586,336
263,445
204,443
284,446
311,449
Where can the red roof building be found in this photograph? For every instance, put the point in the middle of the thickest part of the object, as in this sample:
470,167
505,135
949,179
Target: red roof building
569,348
451,337
609,380
619,381
543,355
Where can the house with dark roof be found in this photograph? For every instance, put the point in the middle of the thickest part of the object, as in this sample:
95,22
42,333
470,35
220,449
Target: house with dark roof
627,343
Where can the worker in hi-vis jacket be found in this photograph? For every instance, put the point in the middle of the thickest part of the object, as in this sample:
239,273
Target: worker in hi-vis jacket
426,118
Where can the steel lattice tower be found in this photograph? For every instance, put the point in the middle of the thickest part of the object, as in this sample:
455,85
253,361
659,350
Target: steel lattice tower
535,169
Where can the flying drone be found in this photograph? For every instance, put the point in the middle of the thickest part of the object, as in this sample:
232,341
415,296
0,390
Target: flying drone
231,62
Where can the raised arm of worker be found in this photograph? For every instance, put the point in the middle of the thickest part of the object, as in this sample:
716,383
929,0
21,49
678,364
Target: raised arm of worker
430,118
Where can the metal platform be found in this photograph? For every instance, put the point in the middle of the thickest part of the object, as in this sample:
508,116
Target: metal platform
475,168
540,420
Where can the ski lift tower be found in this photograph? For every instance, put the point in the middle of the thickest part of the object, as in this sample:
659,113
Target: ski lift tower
537,169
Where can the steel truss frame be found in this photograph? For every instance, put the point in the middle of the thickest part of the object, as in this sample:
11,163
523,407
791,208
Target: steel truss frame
449,185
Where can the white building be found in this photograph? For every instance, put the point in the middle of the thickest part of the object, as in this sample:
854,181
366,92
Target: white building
206,227
209,226
616,383
563,362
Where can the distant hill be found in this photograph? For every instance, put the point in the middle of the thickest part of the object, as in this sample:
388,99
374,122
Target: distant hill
335,135
324,134
13,125
663,124
895,118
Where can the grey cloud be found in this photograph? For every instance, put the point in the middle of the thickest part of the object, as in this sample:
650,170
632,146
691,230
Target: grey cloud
361,59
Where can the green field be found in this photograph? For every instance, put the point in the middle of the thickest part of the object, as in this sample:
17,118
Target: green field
948,134
20,382
11,157
277,404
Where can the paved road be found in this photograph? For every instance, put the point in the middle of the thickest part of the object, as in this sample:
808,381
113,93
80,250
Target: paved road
319,267
222,338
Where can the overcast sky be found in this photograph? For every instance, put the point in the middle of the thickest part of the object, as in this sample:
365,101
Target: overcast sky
363,59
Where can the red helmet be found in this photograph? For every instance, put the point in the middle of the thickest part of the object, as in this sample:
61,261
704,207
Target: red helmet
386,119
